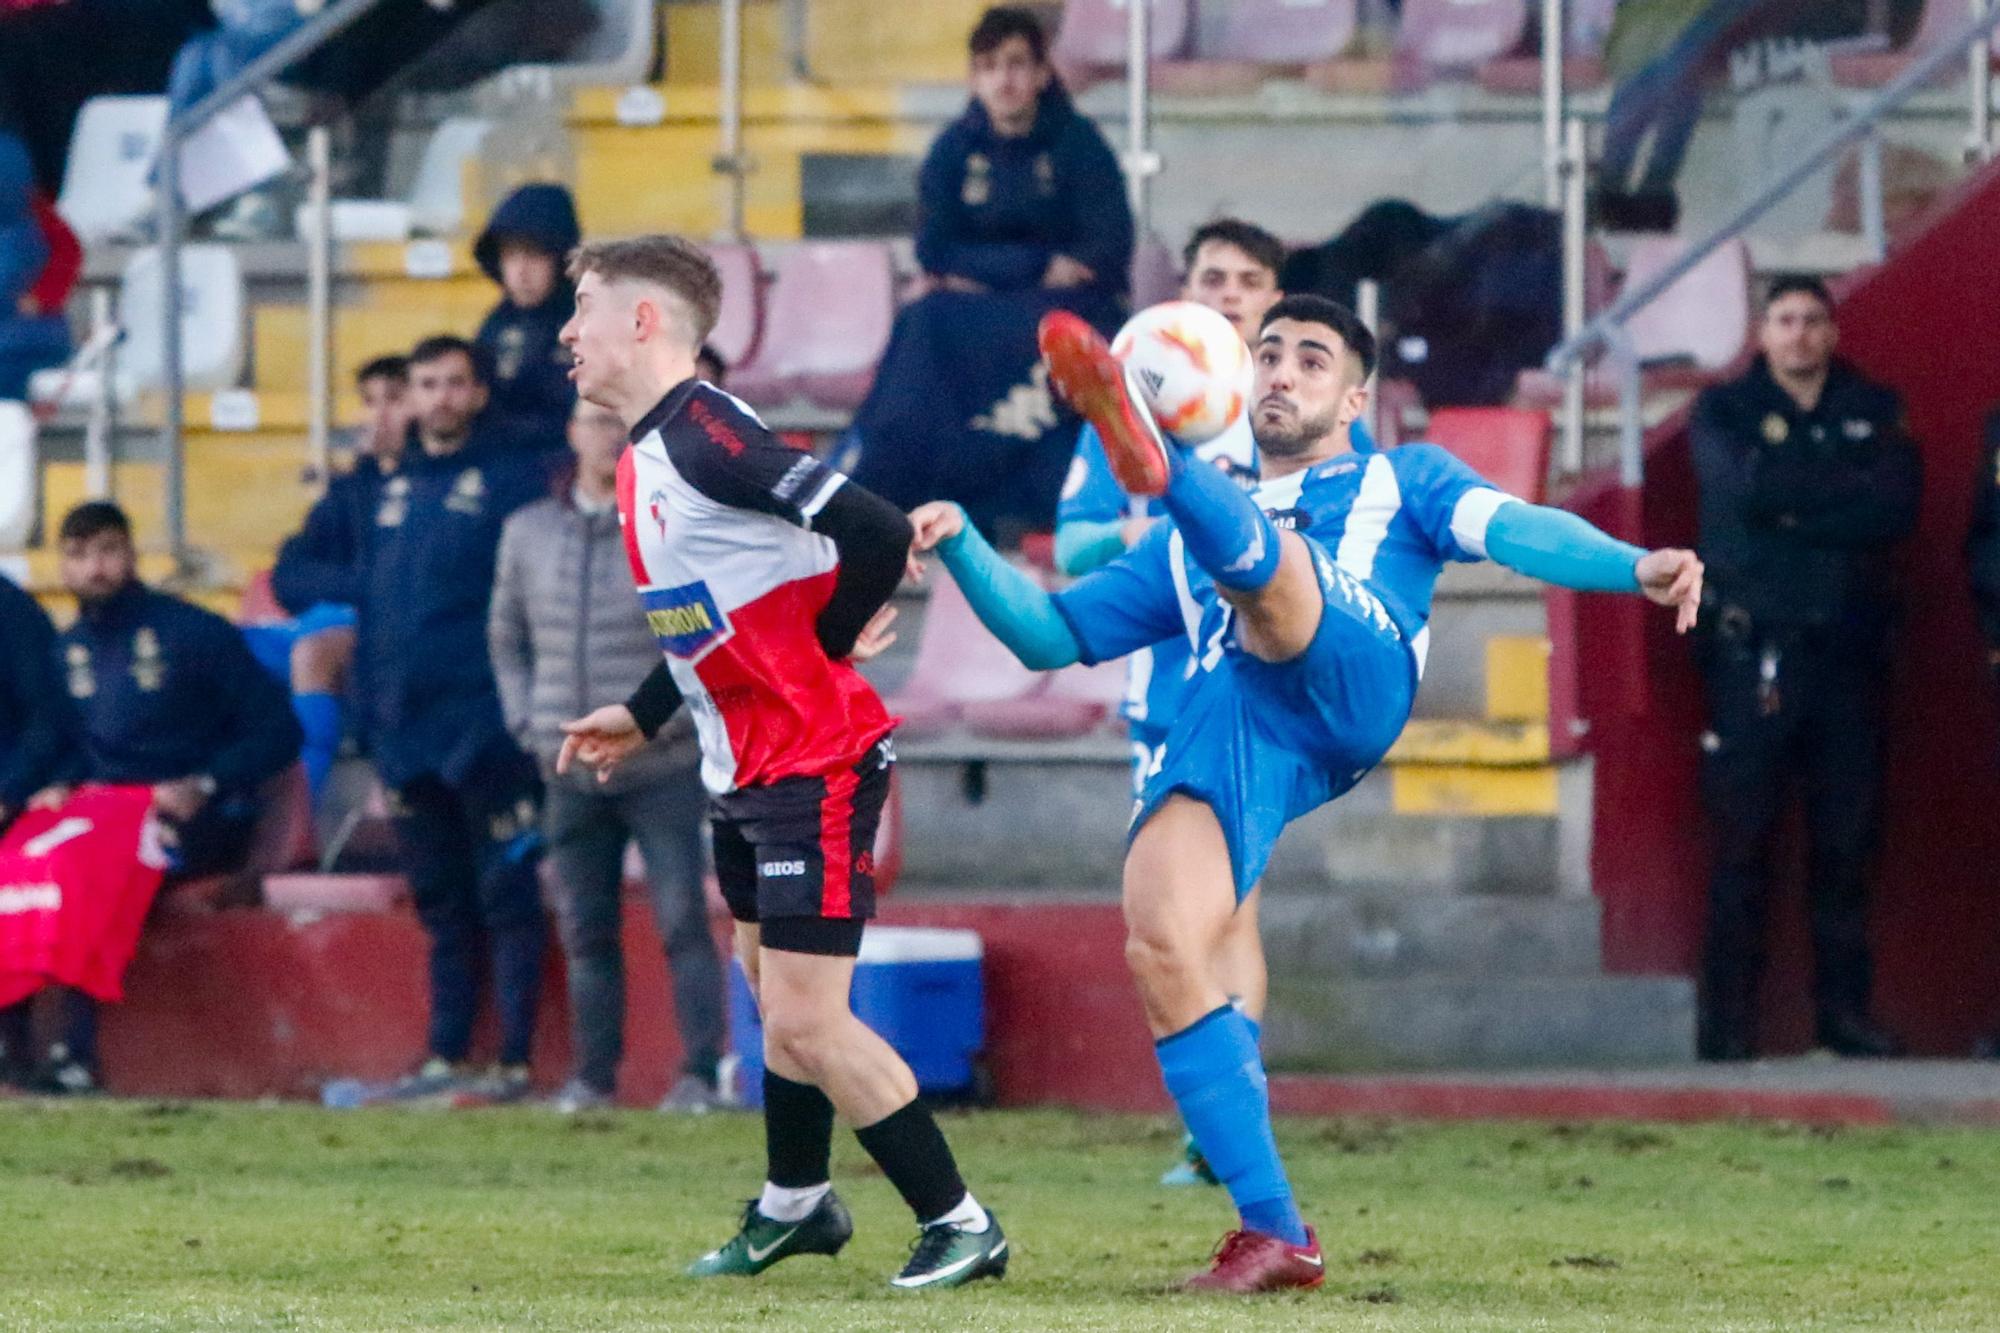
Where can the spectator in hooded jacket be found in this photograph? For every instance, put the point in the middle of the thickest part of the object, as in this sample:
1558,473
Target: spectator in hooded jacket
1023,211
567,636
31,337
523,249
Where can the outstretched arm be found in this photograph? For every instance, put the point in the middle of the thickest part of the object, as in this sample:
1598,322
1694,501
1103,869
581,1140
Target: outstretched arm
1560,548
1021,615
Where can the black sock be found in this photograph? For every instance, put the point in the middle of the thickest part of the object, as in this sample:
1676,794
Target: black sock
910,1149
798,1133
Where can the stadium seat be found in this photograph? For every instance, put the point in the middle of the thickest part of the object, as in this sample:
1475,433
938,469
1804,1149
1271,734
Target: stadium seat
741,318
1093,35
17,475
1704,317
1455,35
437,193
281,840
1588,25
1156,273
831,306
1236,46
1873,68
321,894
1509,446
212,320
105,187
1072,702
958,663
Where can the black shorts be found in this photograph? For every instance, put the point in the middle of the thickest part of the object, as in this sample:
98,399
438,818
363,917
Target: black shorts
798,855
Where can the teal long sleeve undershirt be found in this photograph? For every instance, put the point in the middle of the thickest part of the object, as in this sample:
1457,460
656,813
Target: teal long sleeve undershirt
1557,547
1019,611
1084,544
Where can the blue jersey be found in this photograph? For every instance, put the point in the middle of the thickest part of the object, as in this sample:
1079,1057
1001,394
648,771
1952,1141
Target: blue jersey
1385,521
1090,494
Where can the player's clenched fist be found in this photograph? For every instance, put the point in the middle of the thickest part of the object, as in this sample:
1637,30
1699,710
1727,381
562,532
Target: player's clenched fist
601,740
1672,577
937,521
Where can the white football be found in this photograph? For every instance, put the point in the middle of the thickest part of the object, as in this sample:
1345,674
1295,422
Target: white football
1190,366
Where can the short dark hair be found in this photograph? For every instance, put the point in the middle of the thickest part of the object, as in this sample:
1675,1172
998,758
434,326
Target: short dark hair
1786,284
1315,309
441,345
714,358
395,368
672,262
91,518
1001,22
1251,239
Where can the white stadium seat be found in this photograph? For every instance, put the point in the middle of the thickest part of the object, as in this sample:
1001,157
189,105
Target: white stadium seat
17,475
212,341
105,186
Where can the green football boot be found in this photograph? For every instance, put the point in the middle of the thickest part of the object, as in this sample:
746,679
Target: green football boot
1192,1169
950,1256
763,1241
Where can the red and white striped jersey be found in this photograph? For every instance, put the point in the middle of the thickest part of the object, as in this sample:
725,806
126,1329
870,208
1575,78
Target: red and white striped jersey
717,516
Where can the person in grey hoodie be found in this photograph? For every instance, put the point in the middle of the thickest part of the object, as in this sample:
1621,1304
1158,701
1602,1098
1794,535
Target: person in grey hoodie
567,635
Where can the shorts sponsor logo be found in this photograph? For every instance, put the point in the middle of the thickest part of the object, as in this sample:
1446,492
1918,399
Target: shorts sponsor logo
781,869
685,619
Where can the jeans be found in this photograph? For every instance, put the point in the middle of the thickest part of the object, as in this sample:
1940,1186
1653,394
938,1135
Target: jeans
587,833
1665,96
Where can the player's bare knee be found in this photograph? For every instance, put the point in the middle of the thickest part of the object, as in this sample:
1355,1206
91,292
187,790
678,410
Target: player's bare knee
319,662
799,1034
1159,957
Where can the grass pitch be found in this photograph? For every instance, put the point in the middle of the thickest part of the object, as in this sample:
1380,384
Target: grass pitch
136,1216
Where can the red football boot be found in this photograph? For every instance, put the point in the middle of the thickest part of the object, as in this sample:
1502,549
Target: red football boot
1250,1261
1095,384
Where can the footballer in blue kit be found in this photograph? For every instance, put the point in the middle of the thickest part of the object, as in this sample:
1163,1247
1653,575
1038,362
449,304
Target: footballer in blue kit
1304,606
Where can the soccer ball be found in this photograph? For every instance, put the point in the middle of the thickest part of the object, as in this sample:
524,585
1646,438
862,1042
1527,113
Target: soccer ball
1190,366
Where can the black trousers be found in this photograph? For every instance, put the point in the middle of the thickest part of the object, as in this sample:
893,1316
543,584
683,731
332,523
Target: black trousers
1792,719
470,850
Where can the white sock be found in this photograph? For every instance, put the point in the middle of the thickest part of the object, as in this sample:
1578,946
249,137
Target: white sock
791,1205
968,1216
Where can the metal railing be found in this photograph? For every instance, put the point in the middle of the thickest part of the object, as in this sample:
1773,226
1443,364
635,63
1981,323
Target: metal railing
172,219
1607,331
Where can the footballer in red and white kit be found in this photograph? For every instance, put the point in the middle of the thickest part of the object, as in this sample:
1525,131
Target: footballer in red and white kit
746,597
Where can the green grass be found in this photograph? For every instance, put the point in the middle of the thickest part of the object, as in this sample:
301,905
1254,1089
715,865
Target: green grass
141,1216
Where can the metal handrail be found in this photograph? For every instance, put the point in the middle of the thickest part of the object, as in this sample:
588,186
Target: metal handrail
321,29
1855,127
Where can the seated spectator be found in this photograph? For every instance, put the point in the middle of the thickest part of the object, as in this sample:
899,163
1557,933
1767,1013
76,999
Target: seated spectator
33,335
1023,212
523,249
168,696
316,577
465,799
567,636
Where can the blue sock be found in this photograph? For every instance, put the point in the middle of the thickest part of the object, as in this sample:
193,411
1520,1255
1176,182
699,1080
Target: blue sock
1217,1080
1226,533
319,718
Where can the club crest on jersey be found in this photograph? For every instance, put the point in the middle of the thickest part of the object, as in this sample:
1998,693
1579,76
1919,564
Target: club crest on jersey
656,508
686,619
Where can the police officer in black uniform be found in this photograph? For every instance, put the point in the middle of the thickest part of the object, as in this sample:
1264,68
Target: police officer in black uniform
1807,482
168,695
465,799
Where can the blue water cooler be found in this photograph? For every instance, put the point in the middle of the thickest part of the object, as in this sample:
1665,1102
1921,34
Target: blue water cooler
919,987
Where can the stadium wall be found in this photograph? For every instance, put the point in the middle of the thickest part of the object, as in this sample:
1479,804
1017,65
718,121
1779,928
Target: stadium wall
1923,323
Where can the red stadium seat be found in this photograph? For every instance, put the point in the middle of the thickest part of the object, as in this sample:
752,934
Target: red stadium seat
1072,702
831,308
1092,37
1509,446
1455,35
1589,25
958,663
1156,273
1704,317
741,317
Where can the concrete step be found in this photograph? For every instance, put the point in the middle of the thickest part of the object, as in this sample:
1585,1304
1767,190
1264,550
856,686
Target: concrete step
1476,605
1309,937
1331,1023
979,812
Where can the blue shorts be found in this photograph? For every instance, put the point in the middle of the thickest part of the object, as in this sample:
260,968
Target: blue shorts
272,644
1261,743
1147,741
